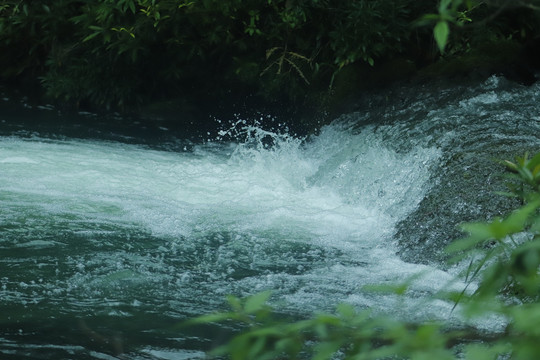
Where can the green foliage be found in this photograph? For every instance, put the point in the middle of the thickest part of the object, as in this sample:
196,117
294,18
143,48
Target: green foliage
440,33
347,333
509,254
450,12
477,20
525,176
504,264
117,53
367,30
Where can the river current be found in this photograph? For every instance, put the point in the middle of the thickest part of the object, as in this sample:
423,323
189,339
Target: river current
109,241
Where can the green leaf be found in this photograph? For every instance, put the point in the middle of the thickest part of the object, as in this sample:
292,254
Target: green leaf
328,319
510,165
326,349
256,347
256,302
441,32
427,19
517,220
534,162
216,317
497,229
234,302
526,174
186,4
91,36
443,5
479,232
346,310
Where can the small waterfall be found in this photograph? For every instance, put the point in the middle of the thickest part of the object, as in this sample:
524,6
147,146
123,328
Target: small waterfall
132,237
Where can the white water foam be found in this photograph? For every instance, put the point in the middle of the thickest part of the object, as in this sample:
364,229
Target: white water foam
339,194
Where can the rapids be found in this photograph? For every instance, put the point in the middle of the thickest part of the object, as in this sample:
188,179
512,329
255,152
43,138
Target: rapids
108,241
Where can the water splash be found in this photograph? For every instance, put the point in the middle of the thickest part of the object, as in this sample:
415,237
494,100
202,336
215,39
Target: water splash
135,235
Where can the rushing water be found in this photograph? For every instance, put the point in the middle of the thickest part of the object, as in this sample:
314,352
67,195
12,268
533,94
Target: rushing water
105,246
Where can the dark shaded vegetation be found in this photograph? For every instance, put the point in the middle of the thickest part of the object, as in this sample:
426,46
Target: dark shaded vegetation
176,54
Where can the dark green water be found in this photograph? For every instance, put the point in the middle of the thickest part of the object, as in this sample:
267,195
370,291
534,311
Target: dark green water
111,237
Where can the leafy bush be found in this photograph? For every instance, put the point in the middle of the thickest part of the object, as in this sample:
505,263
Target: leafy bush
478,22
120,53
504,258
111,53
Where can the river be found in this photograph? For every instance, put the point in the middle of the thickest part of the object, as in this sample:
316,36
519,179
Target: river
112,236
